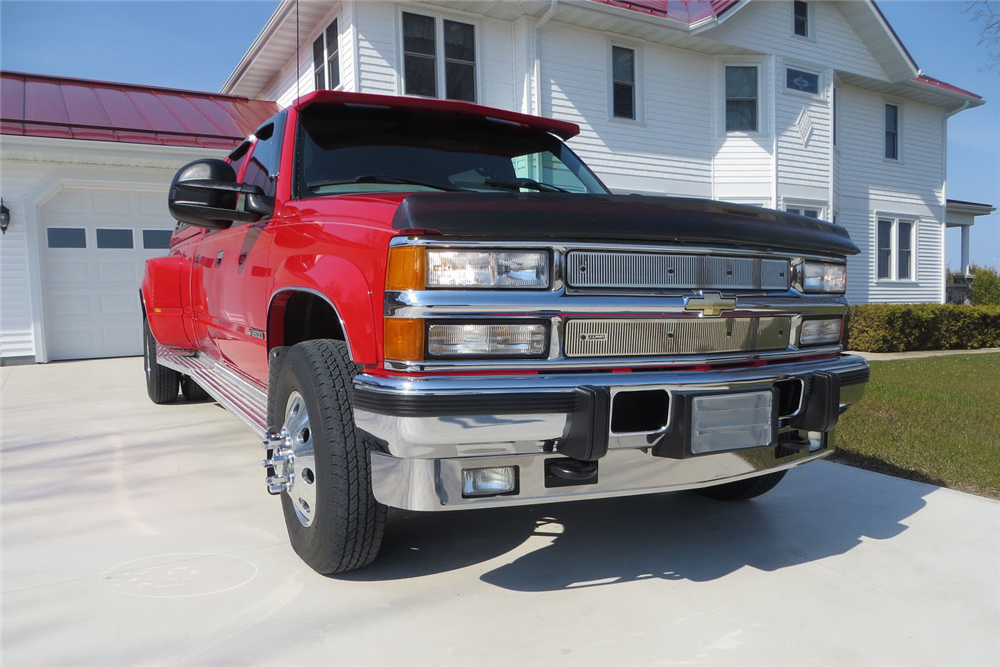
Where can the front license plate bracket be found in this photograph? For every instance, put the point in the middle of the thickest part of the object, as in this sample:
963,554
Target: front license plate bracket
710,423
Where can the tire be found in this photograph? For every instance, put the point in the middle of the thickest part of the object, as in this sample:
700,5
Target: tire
745,489
192,391
343,527
161,382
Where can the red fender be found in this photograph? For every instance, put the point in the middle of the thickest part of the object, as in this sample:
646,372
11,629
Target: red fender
343,285
163,299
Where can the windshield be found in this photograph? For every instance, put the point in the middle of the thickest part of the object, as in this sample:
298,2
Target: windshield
353,149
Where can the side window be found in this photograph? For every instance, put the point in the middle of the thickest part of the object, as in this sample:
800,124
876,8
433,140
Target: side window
891,132
326,58
623,82
741,98
262,167
800,18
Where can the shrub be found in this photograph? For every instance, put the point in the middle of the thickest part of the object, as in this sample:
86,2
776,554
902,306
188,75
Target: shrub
882,327
985,286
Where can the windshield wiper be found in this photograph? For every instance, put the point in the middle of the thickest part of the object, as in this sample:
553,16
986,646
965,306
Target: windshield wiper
519,183
376,178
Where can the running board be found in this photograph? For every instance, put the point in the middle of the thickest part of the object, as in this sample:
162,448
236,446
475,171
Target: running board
244,398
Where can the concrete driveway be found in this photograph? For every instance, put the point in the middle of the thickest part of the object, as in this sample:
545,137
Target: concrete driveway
135,533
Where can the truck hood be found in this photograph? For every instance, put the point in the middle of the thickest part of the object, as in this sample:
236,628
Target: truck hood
560,217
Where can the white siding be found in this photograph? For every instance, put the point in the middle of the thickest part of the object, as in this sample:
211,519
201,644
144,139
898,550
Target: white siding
912,187
283,89
376,26
766,27
671,151
16,335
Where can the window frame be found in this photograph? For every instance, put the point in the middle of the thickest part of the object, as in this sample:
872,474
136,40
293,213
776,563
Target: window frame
810,21
820,207
440,59
895,221
886,103
323,36
762,107
638,75
820,81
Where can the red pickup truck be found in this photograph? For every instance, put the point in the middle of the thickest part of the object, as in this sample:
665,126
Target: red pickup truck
436,305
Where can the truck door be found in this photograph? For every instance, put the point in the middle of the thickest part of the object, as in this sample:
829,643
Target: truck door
235,277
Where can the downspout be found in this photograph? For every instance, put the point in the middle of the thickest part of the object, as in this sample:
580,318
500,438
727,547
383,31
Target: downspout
536,102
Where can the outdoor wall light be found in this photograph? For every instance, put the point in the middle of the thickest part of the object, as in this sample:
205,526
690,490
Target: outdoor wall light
4,217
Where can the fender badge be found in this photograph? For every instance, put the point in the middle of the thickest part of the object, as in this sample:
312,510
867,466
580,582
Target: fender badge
710,304
257,333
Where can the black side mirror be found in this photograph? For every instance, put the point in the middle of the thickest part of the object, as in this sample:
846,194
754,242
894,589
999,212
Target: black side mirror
204,193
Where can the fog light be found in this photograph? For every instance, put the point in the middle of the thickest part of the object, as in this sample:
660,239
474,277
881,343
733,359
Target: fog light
489,481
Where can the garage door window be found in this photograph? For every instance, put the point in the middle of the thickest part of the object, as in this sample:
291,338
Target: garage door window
155,239
66,237
114,238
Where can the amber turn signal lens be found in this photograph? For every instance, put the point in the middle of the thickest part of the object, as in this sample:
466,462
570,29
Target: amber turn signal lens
404,339
407,268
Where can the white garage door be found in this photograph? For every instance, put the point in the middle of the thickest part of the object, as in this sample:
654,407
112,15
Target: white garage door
94,244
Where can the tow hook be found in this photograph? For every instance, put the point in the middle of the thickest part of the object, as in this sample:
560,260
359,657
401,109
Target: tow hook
280,461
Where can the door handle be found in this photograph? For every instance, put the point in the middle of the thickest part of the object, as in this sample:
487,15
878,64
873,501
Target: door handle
218,259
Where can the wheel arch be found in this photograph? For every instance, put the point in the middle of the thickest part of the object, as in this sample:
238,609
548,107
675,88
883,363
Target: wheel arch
288,312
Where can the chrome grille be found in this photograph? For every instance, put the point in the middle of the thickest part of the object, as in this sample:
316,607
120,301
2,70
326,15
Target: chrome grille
679,271
604,338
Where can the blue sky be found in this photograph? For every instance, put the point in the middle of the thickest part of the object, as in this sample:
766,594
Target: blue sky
196,45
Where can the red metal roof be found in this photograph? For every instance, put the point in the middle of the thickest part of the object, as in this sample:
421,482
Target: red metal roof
46,106
684,11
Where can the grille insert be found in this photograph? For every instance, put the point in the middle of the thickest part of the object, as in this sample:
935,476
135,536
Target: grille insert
665,271
637,337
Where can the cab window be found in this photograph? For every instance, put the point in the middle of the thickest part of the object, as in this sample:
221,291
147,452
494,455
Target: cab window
265,157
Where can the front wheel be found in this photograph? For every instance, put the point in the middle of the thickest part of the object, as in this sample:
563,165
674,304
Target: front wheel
161,382
745,489
334,522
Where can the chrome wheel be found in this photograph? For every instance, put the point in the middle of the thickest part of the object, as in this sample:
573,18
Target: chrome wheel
302,481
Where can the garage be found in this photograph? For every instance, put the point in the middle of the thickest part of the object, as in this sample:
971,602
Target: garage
85,169
95,244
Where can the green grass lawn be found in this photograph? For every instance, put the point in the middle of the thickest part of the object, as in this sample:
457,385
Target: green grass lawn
935,420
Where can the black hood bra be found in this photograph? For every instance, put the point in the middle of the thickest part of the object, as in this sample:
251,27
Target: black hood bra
619,218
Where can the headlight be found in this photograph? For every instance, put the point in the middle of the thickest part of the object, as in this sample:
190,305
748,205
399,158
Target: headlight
817,332
823,277
489,268
487,340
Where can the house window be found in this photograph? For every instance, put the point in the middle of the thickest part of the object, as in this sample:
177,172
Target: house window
804,210
800,18
741,98
884,249
895,249
623,82
425,60
460,61
802,81
891,132
326,58
904,242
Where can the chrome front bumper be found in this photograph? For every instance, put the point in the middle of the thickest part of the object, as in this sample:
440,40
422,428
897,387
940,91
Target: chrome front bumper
431,428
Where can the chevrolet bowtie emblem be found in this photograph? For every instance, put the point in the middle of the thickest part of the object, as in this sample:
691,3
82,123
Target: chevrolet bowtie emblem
710,305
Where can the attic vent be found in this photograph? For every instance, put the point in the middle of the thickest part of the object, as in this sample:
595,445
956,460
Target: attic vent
805,126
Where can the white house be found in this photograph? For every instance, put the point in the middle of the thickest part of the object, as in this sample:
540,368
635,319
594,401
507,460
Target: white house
808,106
84,171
